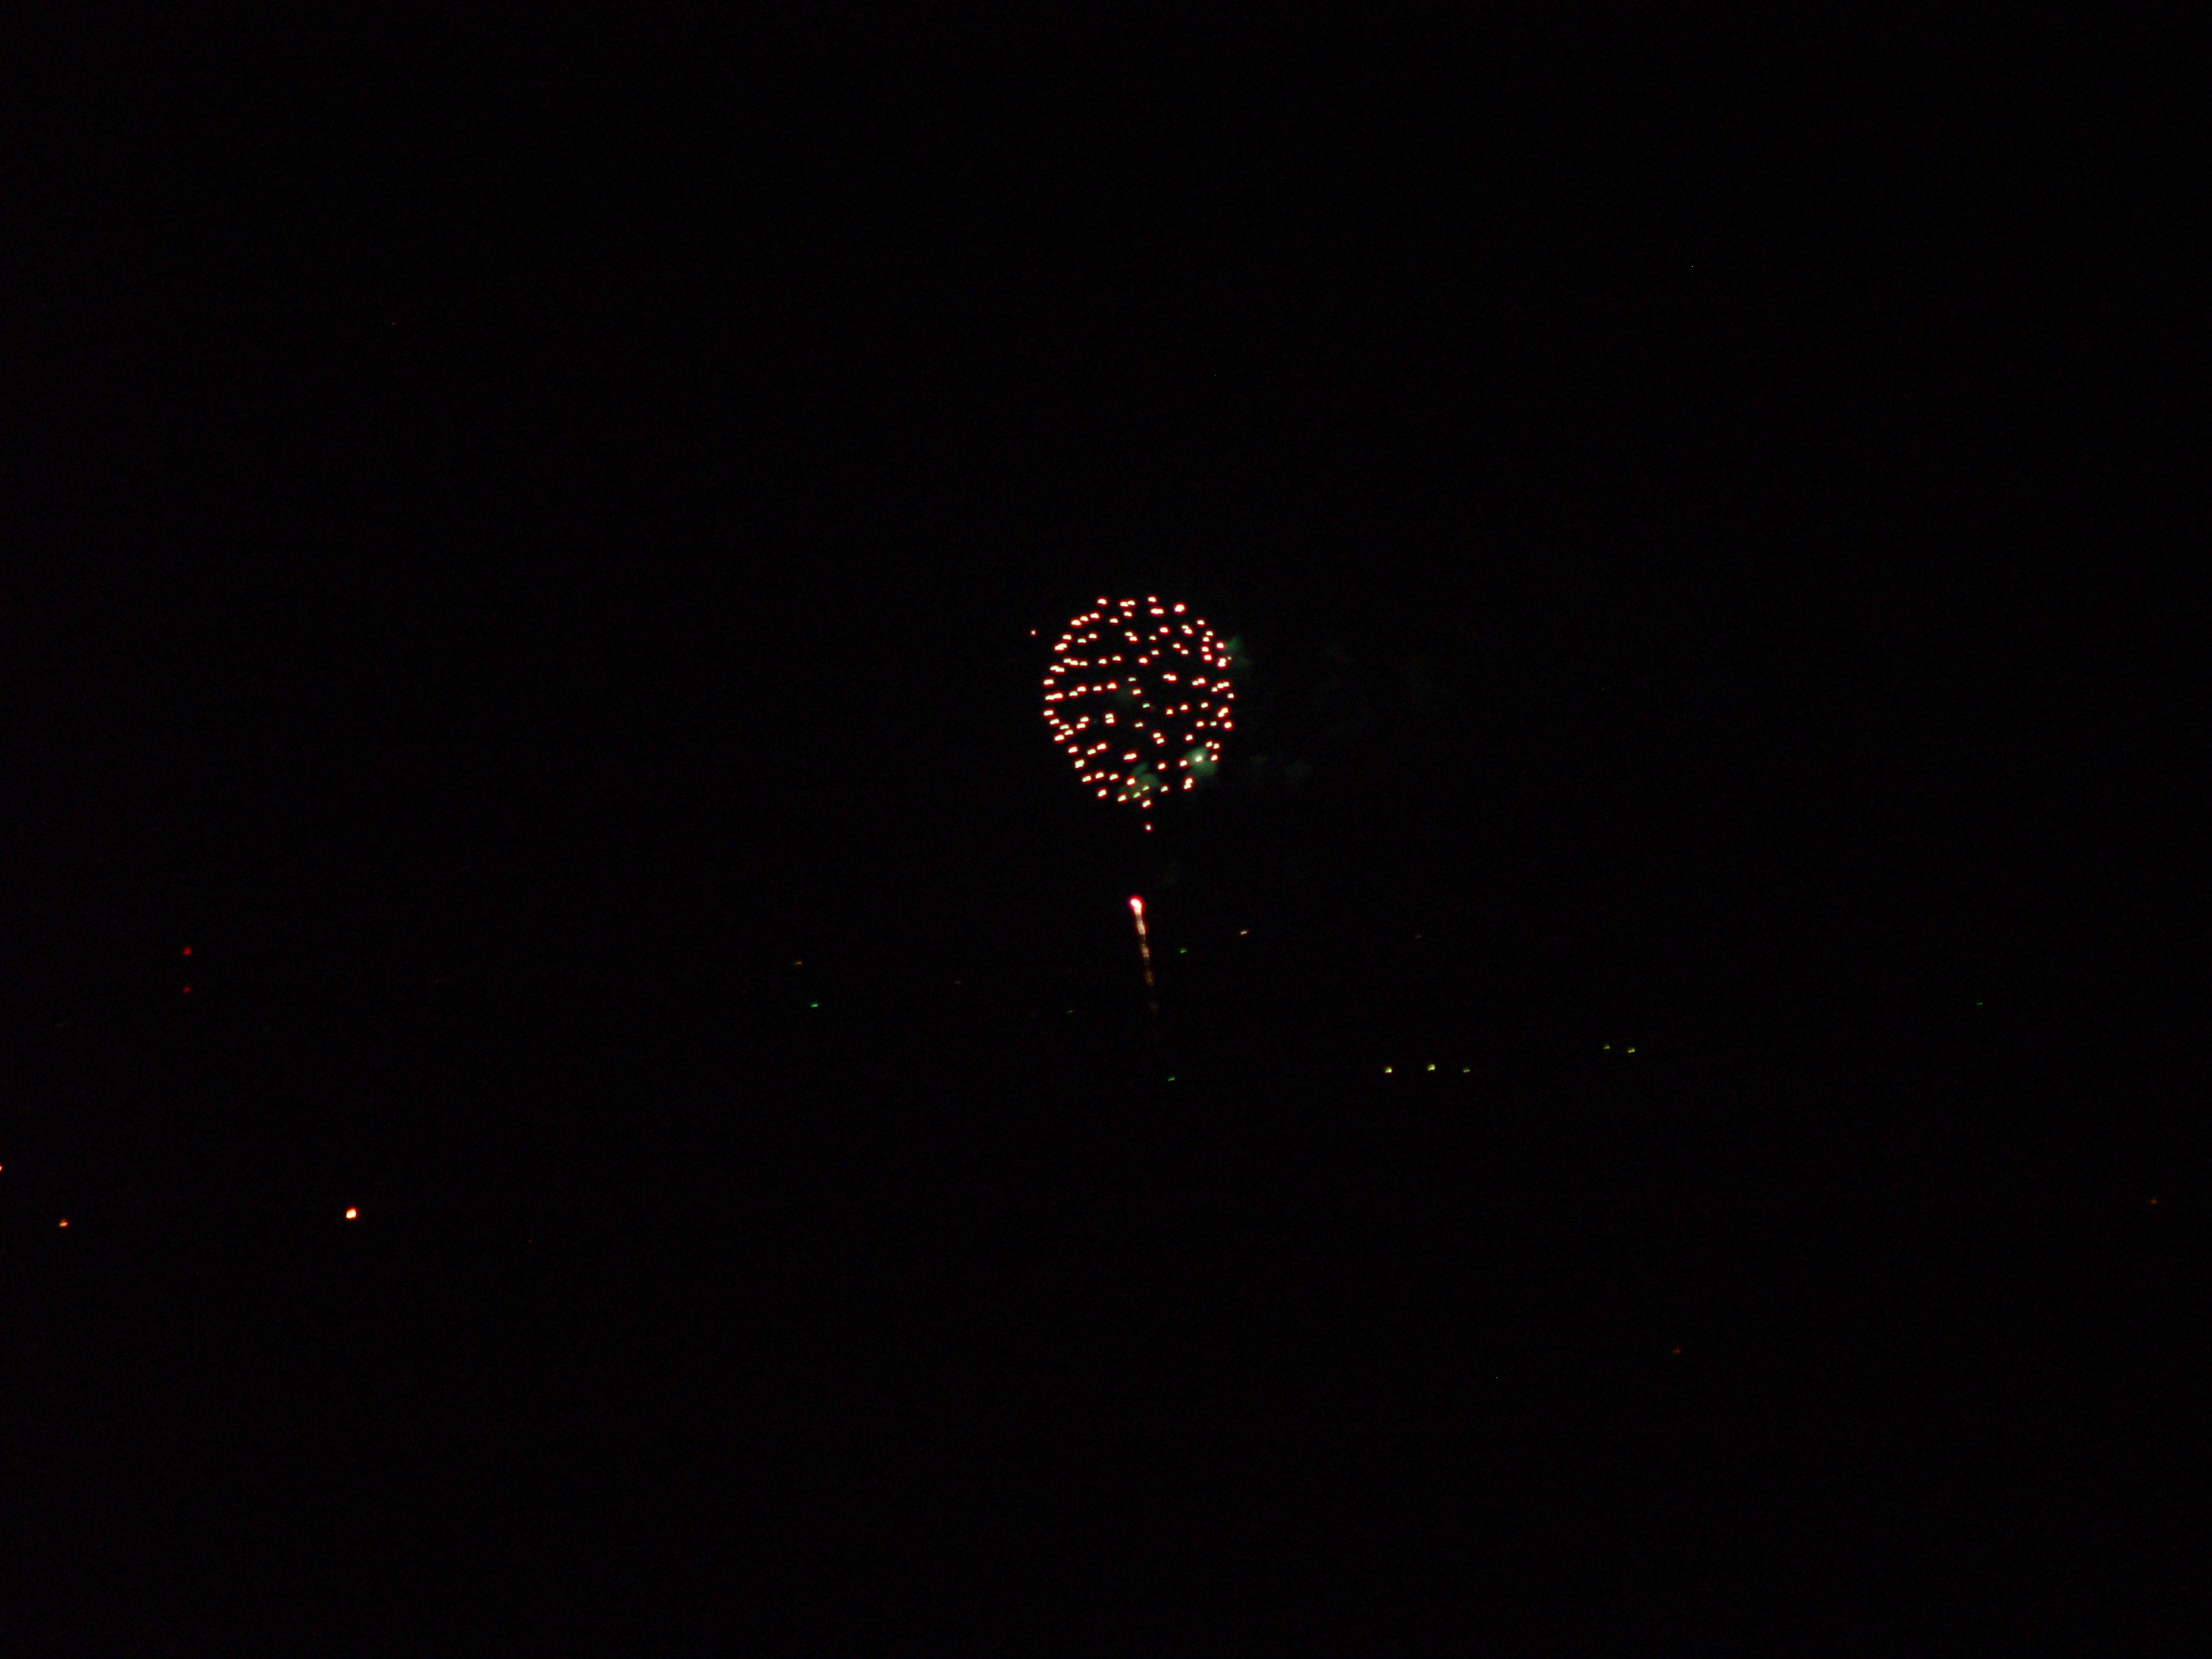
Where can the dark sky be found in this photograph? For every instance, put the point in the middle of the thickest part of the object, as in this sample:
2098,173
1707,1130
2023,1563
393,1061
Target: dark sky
1783,346
524,530
517,483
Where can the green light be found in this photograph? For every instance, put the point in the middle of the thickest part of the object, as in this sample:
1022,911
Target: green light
814,1005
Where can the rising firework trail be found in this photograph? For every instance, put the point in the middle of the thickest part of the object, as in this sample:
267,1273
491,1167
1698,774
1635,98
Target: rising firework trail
1144,950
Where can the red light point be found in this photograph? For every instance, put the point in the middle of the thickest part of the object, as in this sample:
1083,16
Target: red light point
187,991
187,950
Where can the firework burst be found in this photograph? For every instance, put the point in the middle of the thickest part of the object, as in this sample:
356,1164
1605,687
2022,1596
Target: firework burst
1138,696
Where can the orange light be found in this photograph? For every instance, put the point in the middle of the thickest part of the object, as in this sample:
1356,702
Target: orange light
65,1221
352,1215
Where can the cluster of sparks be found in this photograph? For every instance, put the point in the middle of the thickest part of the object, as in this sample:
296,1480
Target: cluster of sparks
1138,695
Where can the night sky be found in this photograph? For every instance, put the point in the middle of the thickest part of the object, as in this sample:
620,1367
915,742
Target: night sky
1674,1112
